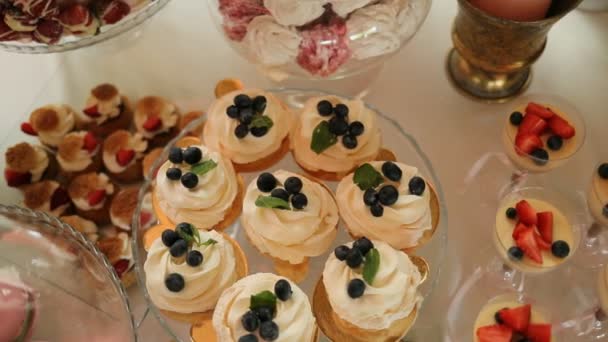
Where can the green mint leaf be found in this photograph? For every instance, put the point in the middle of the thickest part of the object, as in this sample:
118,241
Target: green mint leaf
209,242
196,235
366,177
264,299
272,202
322,138
371,265
204,167
261,121
187,237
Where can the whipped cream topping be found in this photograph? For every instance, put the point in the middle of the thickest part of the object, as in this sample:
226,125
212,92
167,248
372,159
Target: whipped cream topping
295,13
344,7
292,235
205,205
294,316
66,121
336,158
137,143
219,135
75,162
203,283
392,295
20,23
125,250
410,14
103,182
270,43
373,31
87,27
42,162
402,224
106,108
164,110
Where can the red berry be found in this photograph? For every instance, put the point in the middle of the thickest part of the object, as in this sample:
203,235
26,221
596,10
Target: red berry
542,244
494,333
113,11
124,157
59,198
27,128
89,142
74,14
526,143
532,124
526,214
152,123
527,242
545,225
121,266
92,111
48,31
517,318
539,110
145,218
561,127
95,197
14,178
518,230
539,332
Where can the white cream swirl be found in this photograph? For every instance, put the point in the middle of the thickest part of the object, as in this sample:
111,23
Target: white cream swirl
294,316
345,7
402,223
270,43
203,284
292,235
295,13
219,135
103,183
410,14
336,158
136,143
205,205
392,295
42,162
79,161
66,122
373,31
164,110
107,109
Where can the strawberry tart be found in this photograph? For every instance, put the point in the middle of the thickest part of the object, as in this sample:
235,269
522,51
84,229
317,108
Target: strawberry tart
50,123
78,152
156,119
92,194
106,111
27,164
48,196
122,156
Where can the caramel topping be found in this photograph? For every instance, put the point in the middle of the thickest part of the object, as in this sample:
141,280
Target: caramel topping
37,194
104,92
69,147
21,157
75,221
111,247
82,185
116,141
124,203
44,119
150,105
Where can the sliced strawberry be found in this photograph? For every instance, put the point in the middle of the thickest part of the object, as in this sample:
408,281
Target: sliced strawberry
545,225
539,332
518,229
92,111
74,14
14,178
152,123
95,197
124,157
89,142
121,266
527,242
542,244
494,333
145,217
561,127
27,128
526,213
532,124
539,110
517,318
526,143
60,197
114,10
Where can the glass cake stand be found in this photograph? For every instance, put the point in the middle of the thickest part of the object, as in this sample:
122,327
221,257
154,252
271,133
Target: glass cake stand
405,148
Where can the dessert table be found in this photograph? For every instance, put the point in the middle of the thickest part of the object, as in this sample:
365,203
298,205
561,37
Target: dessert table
180,54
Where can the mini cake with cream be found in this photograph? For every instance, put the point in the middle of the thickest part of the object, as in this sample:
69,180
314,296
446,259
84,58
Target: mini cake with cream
27,164
122,156
106,111
50,123
123,208
597,195
78,152
78,20
86,227
156,119
117,248
48,196
92,194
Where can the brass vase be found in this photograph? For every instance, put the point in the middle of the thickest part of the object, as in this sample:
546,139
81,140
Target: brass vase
492,57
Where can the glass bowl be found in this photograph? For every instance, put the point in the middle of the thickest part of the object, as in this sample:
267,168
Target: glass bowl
318,39
406,149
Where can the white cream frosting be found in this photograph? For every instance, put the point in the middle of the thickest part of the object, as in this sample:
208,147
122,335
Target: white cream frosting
336,158
218,132
203,284
402,224
19,25
295,13
294,316
87,27
103,183
125,251
373,31
65,125
205,205
292,235
107,109
344,7
136,143
168,116
81,160
410,14
392,295
270,43
42,162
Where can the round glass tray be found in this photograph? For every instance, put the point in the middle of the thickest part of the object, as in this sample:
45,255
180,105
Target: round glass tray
406,149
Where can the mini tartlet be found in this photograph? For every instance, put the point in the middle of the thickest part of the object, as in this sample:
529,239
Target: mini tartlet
88,228
289,218
117,248
123,208
78,152
48,196
250,127
122,156
335,135
27,164
50,123
106,111
92,194
389,201
156,119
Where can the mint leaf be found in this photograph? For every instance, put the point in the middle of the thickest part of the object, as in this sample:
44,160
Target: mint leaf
322,138
204,167
261,121
196,235
272,202
371,265
187,237
209,242
366,177
264,299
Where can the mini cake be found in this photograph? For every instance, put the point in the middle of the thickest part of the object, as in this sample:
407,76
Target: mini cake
50,123
156,119
368,292
117,249
27,164
92,194
199,186
122,156
188,118
77,19
389,201
250,127
77,153
264,307
148,162
289,218
597,195
334,135
123,208
48,196
106,111
86,227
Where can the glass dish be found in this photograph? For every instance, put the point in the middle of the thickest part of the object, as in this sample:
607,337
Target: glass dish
406,149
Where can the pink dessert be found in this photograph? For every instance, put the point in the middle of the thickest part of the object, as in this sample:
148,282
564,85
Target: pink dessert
16,310
238,14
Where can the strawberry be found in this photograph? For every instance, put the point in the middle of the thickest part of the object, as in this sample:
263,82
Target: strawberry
545,225
89,142
152,123
124,157
526,143
527,242
526,213
144,218
59,198
542,244
518,229
561,127
96,196
74,14
532,124
494,333
27,128
92,111
121,266
14,178
113,10
539,110
539,332
517,318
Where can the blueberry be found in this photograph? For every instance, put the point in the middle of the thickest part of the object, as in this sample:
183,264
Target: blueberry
370,197
185,228
250,321
189,180
248,338
193,155
349,141
241,131
175,155
388,195
175,282
540,156
377,210
280,193
516,118
246,116
194,258
356,288
269,331
511,213
169,237
391,171
364,245
265,314
497,318
356,128
174,173
354,258
341,252
560,249
299,201
243,101
233,112
417,185
259,104
515,253
179,248
259,131
283,290
555,142
325,108
266,182
293,185
605,211
602,171
338,126
341,111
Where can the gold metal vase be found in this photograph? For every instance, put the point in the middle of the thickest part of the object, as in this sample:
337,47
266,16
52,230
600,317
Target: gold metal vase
492,57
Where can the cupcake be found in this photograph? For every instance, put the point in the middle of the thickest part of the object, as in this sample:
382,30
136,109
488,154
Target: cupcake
78,153
117,248
250,127
92,194
188,118
123,207
368,292
48,196
334,135
199,186
122,156
106,111
289,218
156,119
264,307
85,227
27,164
389,201
50,123
148,162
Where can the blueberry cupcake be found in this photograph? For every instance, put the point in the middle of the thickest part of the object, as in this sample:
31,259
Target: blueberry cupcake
156,119
78,152
48,196
106,111
86,227
250,127
289,218
389,201
117,248
92,194
122,156
27,164
335,135
123,208
50,123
